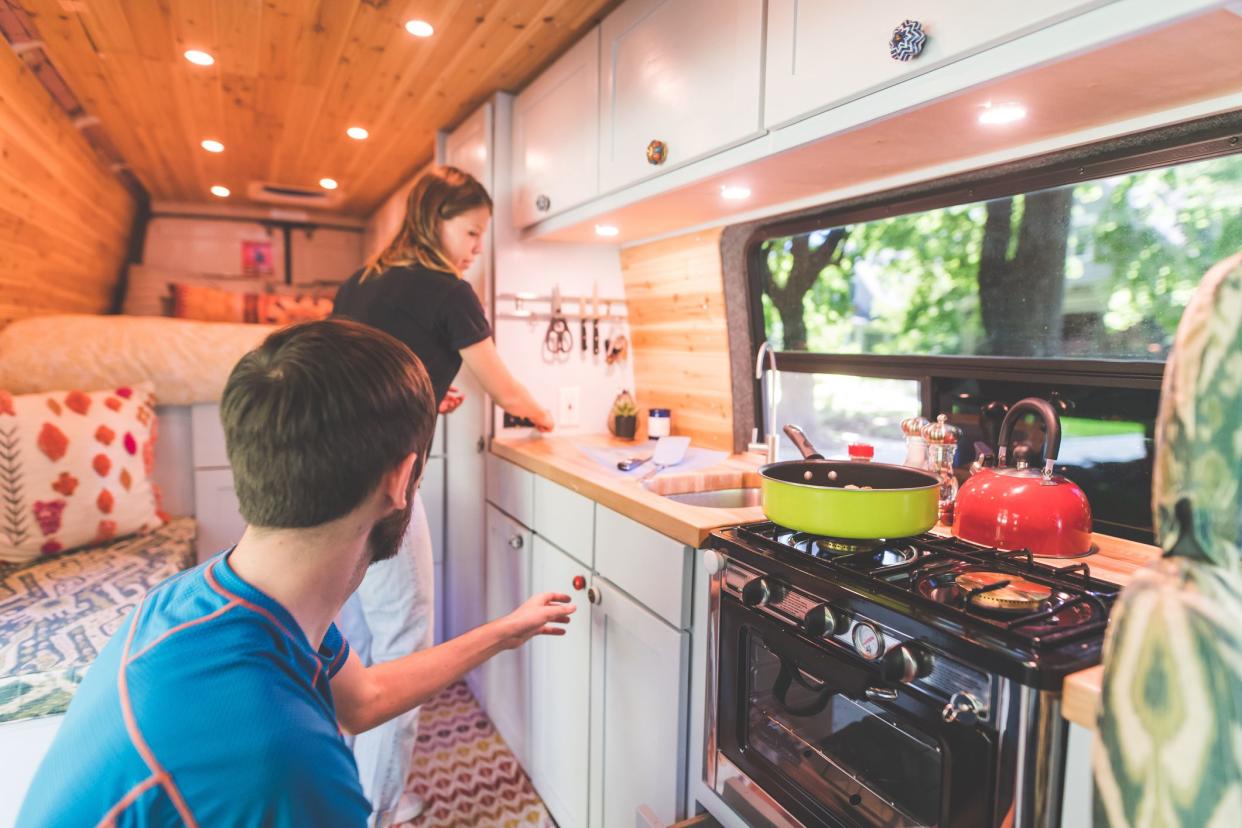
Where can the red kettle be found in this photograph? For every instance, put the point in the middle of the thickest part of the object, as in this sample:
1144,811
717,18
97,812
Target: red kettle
1021,507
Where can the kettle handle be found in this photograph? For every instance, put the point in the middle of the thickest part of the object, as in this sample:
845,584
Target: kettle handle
1052,428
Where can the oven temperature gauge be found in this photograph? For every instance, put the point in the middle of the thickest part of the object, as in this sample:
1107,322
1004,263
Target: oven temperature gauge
868,641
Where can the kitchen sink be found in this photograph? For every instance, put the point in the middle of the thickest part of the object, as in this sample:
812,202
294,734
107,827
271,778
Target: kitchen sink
720,498
713,490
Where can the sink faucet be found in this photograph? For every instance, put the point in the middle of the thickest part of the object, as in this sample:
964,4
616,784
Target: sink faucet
770,444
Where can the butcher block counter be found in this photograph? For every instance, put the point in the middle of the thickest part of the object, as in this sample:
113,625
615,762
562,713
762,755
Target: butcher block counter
561,460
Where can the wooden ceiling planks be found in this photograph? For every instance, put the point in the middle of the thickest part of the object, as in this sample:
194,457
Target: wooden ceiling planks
290,76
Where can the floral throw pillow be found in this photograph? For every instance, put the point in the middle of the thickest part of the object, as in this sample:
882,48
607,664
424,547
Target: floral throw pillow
75,469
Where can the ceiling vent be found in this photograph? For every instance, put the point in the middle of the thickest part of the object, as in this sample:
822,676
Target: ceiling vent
301,196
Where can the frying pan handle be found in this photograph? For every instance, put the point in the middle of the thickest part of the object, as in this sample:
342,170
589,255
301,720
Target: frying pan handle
802,443
1040,408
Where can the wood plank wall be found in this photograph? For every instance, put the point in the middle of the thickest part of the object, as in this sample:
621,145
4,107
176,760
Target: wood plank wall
674,294
65,220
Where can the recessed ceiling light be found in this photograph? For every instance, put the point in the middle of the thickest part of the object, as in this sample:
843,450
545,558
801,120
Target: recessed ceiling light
199,57
328,183
212,145
357,133
1006,113
734,192
606,230
220,191
419,28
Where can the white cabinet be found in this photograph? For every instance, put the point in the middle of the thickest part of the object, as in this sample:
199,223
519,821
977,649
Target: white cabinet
512,489
820,54
560,674
638,712
566,519
653,568
556,136
506,676
685,72
215,509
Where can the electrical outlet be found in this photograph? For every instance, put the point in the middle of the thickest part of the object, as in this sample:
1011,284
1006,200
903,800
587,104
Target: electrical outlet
567,416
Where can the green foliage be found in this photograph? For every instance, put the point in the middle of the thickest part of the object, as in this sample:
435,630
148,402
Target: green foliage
1138,246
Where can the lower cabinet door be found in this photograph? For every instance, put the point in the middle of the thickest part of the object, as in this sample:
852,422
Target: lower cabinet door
560,696
639,684
220,524
506,676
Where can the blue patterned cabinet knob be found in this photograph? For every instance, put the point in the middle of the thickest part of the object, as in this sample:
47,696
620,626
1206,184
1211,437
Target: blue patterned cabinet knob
907,41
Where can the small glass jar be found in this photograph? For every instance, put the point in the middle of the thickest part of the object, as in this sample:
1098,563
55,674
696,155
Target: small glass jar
861,451
659,422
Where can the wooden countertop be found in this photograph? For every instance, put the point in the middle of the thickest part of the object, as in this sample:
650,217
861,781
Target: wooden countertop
560,460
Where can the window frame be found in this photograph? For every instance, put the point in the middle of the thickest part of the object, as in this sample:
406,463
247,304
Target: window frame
1199,140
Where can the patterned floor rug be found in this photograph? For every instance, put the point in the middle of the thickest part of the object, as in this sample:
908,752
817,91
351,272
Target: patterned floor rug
465,772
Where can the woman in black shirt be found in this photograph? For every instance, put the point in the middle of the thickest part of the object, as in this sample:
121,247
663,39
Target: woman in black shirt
413,290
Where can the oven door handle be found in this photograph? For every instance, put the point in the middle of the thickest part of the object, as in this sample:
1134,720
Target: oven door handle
791,672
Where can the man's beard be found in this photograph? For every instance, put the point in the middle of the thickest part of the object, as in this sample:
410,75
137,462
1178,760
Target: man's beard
384,541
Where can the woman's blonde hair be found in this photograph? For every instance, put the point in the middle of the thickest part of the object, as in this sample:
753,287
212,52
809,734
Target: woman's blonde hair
442,193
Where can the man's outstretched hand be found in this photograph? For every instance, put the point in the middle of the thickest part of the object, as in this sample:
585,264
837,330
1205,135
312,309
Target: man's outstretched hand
541,614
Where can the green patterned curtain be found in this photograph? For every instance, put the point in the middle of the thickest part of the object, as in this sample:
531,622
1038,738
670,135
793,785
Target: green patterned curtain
1169,746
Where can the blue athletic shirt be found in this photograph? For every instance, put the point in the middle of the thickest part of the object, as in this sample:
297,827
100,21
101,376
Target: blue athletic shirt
208,707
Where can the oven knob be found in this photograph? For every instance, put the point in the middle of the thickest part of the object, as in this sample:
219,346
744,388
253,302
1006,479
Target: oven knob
759,592
822,621
905,663
962,708
868,641
713,561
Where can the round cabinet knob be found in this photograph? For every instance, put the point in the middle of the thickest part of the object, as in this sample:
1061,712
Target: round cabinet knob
594,596
516,541
905,663
713,561
543,204
657,152
579,583
759,592
962,708
822,621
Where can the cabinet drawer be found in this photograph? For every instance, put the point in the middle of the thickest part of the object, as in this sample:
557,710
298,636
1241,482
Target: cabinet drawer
220,524
649,566
565,519
511,489
823,54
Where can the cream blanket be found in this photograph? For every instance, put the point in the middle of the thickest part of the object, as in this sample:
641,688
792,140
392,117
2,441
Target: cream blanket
187,361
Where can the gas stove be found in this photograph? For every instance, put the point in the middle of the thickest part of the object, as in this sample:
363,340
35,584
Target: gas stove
1050,624
910,681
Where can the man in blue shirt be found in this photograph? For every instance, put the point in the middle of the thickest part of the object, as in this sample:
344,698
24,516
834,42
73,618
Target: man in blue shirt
217,703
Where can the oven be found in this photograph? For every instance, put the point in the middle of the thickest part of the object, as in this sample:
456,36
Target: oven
864,689
831,743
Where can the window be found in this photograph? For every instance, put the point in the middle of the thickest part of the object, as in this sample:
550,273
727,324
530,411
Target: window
1065,280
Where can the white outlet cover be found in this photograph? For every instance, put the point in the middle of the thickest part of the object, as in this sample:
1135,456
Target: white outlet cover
567,413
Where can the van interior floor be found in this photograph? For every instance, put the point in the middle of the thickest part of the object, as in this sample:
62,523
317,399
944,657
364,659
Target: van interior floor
464,771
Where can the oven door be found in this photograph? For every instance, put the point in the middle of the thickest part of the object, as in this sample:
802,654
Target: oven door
807,725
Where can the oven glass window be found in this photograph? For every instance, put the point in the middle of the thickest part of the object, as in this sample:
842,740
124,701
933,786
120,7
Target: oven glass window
852,756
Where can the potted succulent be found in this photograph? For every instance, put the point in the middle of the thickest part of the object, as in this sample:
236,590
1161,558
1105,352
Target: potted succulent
624,416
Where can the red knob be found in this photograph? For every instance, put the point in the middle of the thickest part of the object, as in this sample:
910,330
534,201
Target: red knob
579,583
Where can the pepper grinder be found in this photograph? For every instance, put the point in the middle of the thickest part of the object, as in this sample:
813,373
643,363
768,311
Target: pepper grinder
916,446
941,438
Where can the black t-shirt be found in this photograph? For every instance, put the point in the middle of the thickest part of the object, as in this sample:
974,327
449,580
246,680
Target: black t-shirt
435,313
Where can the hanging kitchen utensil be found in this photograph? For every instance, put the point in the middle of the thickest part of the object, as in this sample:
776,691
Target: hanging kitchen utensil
844,499
1023,507
595,319
557,340
582,314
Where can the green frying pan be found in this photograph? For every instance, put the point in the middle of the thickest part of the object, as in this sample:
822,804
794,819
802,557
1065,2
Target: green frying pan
810,495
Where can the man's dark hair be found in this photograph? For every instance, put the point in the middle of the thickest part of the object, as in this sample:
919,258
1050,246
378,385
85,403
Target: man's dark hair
316,415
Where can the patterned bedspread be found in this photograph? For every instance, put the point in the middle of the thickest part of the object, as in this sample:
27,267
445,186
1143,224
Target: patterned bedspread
56,614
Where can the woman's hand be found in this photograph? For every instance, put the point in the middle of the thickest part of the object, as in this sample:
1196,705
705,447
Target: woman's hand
538,616
543,421
452,400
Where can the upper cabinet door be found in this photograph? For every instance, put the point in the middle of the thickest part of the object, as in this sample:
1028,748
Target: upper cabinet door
687,73
556,136
821,54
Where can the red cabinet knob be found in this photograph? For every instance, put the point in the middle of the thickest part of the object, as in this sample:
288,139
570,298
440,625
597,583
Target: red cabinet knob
579,583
